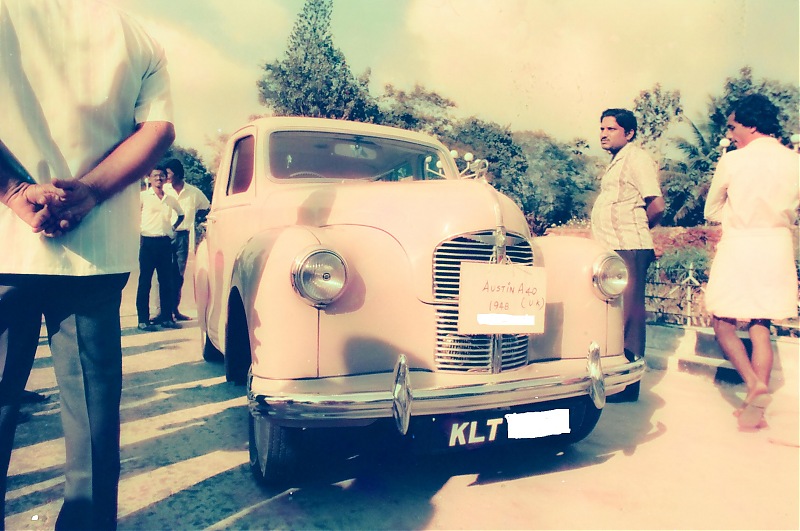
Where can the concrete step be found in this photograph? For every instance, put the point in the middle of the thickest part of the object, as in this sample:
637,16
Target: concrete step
695,349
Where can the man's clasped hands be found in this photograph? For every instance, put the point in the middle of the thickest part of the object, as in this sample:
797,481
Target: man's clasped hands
54,208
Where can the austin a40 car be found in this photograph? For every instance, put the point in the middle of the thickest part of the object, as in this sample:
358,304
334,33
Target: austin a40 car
351,275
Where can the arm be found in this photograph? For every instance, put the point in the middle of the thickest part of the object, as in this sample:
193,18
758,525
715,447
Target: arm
717,194
644,173
654,207
178,210
178,221
121,167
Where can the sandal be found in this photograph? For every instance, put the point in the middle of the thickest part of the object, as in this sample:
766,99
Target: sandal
752,412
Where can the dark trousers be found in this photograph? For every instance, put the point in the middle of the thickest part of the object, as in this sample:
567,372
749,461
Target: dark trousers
180,254
83,329
155,254
634,313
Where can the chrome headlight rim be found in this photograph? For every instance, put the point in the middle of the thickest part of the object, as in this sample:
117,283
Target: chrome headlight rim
300,284
607,277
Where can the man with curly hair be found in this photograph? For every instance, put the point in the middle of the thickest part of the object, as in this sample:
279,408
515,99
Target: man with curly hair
754,194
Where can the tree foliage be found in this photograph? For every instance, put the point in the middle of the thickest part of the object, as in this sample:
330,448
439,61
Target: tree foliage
655,110
314,78
494,143
560,180
418,110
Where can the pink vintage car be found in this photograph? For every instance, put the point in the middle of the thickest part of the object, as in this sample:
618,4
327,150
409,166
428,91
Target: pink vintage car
351,275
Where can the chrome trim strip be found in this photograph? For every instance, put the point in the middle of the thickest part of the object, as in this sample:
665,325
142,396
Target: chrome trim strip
438,401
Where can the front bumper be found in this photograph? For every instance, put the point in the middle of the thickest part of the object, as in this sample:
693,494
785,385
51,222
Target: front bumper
399,395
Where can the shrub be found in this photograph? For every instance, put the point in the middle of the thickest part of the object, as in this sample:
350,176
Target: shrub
675,264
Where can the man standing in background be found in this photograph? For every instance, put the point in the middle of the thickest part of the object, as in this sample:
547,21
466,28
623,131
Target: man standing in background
155,251
629,205
85,111
192,202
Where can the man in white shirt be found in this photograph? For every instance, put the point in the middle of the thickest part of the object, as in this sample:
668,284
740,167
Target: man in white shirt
755,193
193,202
85,111
155,251
629,205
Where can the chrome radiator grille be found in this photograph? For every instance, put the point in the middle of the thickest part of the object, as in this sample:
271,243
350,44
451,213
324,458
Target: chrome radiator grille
473,353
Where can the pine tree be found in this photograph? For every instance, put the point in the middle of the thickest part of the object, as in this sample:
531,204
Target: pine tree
314,78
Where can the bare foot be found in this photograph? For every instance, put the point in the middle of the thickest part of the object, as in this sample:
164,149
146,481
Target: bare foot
757,390
762,425
752,414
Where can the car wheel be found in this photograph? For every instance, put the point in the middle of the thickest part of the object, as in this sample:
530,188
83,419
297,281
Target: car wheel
273,451
210,353
591,416
629,394
237,346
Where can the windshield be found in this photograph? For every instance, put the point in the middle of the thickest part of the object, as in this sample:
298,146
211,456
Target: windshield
339,156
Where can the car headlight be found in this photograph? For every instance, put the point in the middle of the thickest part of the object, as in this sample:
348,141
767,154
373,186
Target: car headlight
610,276
319,276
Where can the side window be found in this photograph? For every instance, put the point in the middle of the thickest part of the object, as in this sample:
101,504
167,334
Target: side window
241,166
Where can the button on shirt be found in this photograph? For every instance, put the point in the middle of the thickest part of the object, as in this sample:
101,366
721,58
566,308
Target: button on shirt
619,219
60,122
191,200
157,214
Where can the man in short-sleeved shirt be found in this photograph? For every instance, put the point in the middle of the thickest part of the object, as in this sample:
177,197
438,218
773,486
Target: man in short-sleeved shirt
85,111
155,251
193,201
628,206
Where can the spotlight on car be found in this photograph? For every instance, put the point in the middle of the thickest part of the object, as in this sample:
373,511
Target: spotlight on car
610,276
319,276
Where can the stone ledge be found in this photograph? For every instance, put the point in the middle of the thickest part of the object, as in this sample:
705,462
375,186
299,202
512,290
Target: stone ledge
695,349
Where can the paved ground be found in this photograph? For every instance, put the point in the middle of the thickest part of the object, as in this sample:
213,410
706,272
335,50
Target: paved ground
674,460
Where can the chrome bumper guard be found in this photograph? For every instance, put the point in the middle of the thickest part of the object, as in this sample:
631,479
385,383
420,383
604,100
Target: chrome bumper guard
400,398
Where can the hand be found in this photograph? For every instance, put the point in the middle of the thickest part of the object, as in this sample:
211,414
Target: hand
32,204
77,200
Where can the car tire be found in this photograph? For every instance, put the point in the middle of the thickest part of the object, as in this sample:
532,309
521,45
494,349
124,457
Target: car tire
237,346
273,451
210,353
591,416
629,394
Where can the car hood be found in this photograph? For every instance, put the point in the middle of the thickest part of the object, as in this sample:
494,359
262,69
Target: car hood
417,214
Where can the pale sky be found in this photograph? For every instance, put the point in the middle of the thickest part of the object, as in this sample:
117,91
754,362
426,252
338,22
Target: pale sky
550,65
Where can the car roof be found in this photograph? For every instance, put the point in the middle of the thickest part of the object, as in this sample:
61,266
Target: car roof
299,123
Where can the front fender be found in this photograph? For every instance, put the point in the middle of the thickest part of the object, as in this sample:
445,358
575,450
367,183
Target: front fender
283,328
574,315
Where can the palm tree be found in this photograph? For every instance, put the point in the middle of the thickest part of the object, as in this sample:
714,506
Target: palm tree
686,182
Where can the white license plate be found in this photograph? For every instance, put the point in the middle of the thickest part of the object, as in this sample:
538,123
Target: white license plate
534,424
529,425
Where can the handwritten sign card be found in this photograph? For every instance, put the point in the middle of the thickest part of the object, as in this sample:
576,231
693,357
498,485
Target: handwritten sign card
501,299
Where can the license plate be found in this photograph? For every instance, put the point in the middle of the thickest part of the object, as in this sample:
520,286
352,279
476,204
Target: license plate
480,430
534,424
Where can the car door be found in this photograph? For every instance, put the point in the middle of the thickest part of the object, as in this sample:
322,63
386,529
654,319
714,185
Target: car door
231,223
